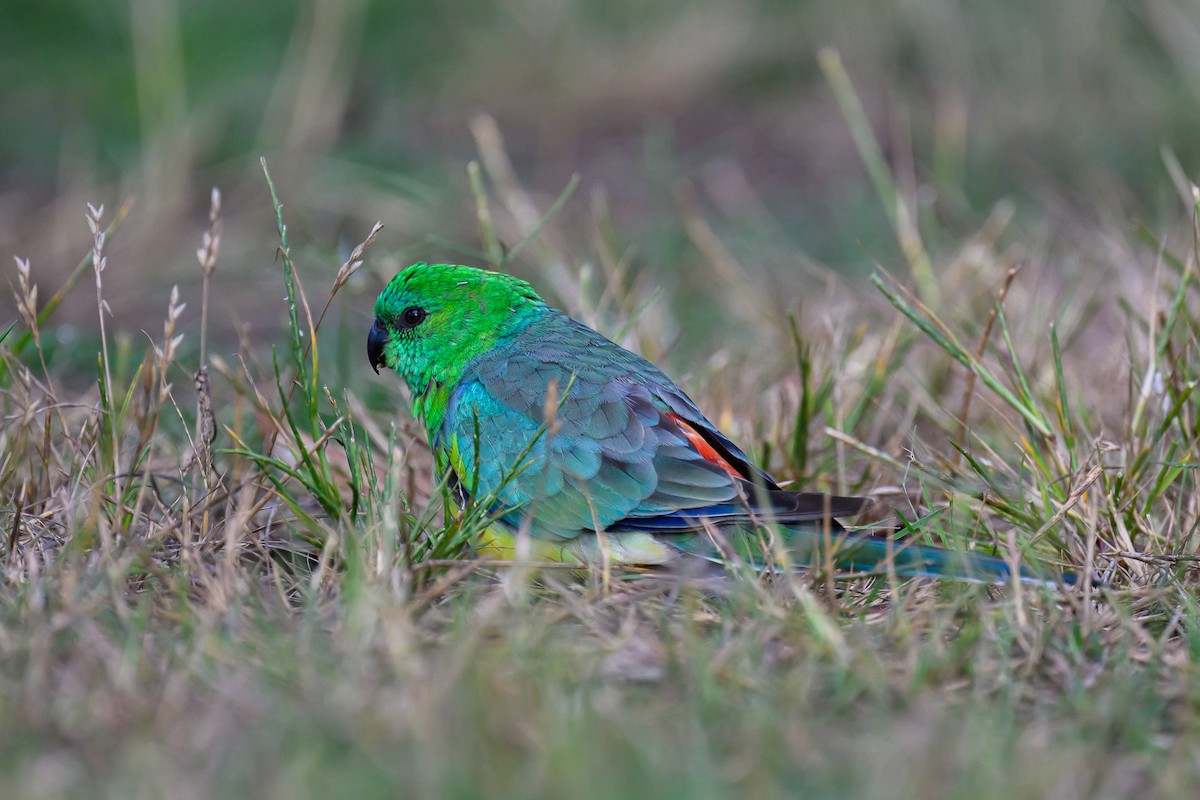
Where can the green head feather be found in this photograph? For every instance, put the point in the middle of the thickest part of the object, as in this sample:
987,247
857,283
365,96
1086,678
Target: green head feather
432,319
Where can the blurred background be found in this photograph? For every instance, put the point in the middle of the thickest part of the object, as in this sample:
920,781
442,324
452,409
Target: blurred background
670,111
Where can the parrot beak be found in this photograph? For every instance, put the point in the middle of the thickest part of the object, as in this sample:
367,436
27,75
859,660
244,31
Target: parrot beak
376,340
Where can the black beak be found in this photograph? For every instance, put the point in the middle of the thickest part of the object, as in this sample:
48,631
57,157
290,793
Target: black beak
376,339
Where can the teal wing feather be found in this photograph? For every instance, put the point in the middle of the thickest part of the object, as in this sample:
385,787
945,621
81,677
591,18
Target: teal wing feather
614,450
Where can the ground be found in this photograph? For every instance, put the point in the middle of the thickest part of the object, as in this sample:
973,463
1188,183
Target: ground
244,581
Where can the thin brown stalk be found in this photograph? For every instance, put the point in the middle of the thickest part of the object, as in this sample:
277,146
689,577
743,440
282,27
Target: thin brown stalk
969,390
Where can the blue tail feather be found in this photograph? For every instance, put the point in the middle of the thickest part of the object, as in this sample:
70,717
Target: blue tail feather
810,545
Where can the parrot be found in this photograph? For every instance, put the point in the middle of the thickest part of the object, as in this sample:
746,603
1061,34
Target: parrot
594,454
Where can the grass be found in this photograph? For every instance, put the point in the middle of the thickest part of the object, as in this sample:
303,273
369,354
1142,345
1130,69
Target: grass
231,574
364,111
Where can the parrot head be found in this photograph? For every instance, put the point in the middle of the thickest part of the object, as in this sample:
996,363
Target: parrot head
432,319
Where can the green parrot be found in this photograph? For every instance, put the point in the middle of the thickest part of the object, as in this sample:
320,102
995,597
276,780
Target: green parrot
593,450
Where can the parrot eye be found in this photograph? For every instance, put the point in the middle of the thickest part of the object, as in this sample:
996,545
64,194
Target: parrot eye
412,316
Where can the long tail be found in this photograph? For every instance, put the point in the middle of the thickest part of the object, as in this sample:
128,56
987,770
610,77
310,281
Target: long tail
811,546
813,537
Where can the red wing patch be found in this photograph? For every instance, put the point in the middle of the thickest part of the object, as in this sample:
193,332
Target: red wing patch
706,450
